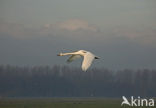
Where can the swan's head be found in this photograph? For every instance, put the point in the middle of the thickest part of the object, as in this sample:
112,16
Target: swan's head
61,54
82,52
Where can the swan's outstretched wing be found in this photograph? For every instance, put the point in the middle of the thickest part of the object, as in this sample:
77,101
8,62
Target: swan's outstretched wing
73,57
87,61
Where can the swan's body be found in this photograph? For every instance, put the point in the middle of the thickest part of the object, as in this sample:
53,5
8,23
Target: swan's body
88,57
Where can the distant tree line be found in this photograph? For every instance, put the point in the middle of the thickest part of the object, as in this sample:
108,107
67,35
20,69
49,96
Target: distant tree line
62,81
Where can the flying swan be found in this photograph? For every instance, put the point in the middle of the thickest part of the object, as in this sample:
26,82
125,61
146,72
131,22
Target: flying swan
88,57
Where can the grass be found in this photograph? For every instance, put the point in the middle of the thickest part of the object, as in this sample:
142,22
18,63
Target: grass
62,103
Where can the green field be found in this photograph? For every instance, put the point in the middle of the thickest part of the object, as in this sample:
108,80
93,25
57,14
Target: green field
62,103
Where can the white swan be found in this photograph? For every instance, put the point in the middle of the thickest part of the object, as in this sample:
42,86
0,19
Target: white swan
88,57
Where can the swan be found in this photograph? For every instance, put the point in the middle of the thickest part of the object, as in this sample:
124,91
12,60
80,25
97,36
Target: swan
88,57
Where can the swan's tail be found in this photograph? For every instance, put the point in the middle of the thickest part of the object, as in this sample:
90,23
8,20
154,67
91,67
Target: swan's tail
97,57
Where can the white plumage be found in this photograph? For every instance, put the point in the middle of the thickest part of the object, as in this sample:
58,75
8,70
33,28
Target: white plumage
88,57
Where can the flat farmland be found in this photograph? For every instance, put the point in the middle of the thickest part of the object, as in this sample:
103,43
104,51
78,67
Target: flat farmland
62,103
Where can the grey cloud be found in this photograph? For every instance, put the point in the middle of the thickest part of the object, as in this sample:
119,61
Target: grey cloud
75,29
144,35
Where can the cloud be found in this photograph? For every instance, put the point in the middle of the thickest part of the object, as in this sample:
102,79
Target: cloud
72,28
142,35
11,29
76,29
73,25
15,30
76,24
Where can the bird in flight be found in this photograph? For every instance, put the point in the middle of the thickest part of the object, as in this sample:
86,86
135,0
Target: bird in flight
88,57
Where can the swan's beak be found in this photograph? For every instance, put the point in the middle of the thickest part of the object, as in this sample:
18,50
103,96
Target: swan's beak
97,58
59,54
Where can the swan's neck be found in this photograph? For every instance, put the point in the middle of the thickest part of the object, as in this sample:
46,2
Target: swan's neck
64,54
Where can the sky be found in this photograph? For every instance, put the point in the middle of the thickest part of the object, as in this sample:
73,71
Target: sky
121,32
